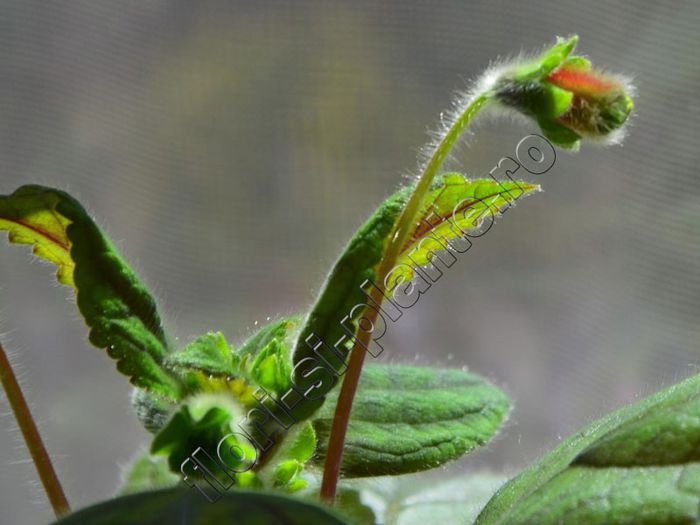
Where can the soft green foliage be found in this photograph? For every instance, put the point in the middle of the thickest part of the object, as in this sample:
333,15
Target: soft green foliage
193,397
119,310
471,201
636,465
188,507
209,354
407,419
622,496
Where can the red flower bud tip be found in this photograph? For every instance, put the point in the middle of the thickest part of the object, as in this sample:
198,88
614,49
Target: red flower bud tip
585,83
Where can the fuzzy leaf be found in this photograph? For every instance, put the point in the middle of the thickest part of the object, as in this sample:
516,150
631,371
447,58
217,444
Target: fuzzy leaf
188,507
451,195
458,206
208,353
209,364
278,330
265,359
639,464
119,310
271,368
635,496
407,419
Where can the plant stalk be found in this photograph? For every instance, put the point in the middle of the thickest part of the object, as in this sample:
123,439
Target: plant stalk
32,438
402,228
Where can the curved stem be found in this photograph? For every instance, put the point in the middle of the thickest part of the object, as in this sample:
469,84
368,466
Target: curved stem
30,432
402,228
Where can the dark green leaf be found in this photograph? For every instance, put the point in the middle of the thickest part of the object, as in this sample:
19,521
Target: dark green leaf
188,507
620,496
407,419
119,310
636,465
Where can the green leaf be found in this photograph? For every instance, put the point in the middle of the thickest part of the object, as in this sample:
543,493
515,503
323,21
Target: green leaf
271,368
636,465
407,419
454,202
148,473
209,364
119,310
188,507
279,330
263,360
464,205
208,353
634,496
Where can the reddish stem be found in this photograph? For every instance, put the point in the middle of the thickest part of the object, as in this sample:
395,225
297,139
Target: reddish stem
32,438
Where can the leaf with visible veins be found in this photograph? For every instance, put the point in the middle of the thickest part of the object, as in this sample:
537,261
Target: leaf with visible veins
117,307
465,204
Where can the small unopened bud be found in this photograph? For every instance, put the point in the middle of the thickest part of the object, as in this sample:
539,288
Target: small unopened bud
567,97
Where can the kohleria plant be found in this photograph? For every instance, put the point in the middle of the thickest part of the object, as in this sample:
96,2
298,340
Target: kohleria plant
270,407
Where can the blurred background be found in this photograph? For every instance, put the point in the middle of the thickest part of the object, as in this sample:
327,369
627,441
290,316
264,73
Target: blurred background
231,149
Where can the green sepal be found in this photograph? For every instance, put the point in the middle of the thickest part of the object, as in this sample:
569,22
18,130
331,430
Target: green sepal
536,69
271,368
288,463
560,135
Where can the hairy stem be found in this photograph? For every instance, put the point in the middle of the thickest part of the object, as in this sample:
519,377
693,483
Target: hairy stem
401,230
30,432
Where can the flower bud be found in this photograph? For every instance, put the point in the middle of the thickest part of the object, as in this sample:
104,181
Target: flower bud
567,97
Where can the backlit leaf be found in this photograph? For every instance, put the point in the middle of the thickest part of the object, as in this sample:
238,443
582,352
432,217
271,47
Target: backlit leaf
119,310
454,205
